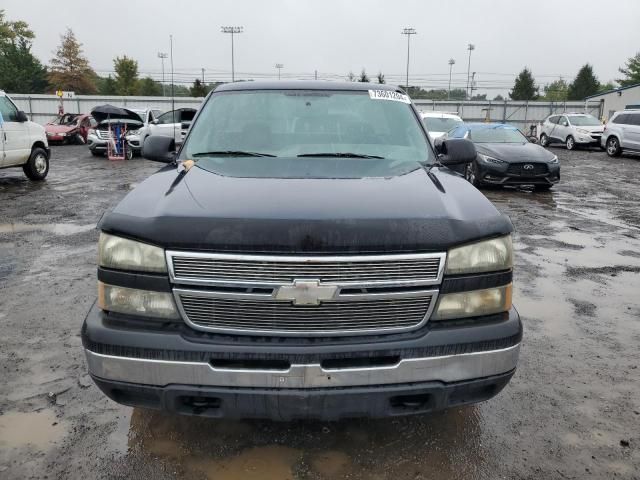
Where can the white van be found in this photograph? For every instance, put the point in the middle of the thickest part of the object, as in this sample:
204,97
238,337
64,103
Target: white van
23,143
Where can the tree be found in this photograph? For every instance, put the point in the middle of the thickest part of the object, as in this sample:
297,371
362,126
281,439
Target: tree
479,97
607,87
498,98
631,71
198,89
585,84
363,77
556,91
106,85
70,69
126,75
524,87
20,70
381,78
148,87
351,77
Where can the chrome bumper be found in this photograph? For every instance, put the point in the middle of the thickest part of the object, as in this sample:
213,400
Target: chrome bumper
449,368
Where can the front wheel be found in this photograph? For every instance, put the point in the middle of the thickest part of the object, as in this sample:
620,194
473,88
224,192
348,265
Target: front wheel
570,143
544,140
543,188
37,166
471,174
613,147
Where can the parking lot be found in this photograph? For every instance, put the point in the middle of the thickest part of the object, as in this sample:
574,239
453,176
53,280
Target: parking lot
571,411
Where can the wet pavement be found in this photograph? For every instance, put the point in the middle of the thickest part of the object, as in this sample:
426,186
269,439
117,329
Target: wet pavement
571,411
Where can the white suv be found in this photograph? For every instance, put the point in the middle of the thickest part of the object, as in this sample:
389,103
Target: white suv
439,123
572,129
22,143
622,133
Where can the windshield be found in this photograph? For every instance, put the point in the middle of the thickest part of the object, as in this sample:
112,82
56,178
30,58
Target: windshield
496,135
435,124
288,124
584,121
66,119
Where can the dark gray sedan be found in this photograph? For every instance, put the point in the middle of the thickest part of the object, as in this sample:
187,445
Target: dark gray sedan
507,157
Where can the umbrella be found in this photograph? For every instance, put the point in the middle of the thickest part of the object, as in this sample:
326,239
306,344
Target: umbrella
103,112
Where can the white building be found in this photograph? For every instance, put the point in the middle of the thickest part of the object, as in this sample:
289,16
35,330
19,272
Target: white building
618,99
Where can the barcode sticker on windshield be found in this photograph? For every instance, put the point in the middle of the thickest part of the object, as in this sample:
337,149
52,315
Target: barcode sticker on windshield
389,95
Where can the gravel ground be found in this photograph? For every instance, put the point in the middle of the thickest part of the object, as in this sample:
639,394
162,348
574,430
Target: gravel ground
571,411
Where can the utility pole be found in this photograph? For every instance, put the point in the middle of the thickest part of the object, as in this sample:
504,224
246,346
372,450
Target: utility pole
279,66
316,75
473,84
203,76
471,47
162,56
408,32
232,31
452,62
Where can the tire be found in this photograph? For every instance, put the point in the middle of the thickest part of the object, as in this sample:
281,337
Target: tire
613,147
129,153
570,143
37,167
471,176
78,139
96,154
544,140
543,188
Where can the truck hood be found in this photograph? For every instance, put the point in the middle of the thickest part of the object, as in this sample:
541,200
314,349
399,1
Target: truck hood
210,212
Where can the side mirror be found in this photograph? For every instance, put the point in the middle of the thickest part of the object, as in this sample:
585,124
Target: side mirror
533,139
21,117
437,143
456,151
155,121
159,148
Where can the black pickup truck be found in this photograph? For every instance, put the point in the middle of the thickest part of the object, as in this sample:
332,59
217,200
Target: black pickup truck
306,254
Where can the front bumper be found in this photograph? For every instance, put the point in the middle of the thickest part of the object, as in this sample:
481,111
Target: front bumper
498,174
588,139
174,368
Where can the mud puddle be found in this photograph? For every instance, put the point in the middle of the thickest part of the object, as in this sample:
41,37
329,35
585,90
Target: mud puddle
39,430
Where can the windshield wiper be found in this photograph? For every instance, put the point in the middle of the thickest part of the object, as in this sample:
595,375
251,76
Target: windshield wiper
339,155
231,153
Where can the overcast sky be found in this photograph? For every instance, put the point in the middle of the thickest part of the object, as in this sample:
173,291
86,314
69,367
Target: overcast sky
552,37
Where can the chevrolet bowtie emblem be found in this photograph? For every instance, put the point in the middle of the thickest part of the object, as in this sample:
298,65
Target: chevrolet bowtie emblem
306,292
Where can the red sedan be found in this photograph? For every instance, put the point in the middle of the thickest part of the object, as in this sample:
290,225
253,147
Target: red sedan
69,128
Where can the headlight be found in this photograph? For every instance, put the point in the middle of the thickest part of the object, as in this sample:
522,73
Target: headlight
554,159
124,254
473,304
487,158
582,130
136,302
486,256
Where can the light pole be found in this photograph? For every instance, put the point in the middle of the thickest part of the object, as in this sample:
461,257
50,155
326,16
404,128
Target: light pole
279,66
408,32
232,31
452,62
471,47
162,56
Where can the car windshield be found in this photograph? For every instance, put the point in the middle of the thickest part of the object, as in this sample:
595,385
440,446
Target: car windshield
584,121
67,119
318,133
435,124
496,135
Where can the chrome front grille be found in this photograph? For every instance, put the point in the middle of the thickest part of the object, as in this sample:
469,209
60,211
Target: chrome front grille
104,134
305,295
271,317
193,268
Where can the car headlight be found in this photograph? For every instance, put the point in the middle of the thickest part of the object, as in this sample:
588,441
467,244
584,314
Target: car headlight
583,131
486,256
487,158
554,159
136,302
124,254
473,304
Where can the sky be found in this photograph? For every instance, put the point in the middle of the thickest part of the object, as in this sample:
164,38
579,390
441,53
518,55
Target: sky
554,38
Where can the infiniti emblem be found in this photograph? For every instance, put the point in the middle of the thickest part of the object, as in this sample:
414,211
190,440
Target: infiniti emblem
306,292
528,166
